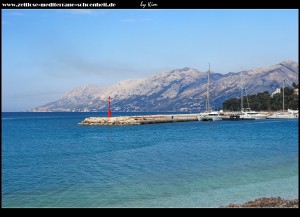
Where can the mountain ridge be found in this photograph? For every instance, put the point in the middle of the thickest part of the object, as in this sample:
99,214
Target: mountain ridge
176,90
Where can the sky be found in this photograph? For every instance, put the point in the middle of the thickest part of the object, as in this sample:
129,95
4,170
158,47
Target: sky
46,53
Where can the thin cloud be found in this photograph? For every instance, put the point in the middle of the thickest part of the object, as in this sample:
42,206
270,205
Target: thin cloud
146,20
70,64
37,94
15,14
133,20
82,11
128,20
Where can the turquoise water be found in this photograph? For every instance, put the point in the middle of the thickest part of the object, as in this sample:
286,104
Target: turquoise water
48,160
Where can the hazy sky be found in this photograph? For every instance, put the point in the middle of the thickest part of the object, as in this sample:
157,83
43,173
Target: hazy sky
46,53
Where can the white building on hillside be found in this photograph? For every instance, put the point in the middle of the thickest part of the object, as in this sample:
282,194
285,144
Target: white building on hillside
278,90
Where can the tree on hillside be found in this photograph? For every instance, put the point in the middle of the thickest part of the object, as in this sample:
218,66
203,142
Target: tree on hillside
295,85
264,101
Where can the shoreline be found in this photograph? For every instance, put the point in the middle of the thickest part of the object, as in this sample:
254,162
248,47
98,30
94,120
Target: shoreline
266,202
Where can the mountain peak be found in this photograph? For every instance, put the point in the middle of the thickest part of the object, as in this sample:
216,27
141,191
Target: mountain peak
177,90
184,69
289,62
83,91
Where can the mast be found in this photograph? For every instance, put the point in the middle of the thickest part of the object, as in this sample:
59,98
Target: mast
242,102
242,89
207,93
283,96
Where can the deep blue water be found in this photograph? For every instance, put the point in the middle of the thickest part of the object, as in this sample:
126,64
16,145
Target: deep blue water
48,160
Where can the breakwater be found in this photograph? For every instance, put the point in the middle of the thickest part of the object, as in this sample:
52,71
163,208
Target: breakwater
153,119
136,120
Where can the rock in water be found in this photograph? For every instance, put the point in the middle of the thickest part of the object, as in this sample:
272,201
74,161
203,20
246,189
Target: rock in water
264,202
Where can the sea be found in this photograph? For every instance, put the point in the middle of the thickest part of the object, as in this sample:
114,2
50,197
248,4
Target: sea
48,160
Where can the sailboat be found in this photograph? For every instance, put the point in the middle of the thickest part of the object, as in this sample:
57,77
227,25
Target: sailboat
209,115
282,115
247,113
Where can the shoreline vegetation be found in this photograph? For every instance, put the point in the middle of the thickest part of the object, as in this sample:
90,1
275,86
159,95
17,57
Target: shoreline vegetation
264,101
265,202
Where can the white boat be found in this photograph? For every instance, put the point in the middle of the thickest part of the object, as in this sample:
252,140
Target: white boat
248,114
209,115
294,112
281,115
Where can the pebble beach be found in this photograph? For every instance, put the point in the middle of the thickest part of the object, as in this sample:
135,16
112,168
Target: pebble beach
264,202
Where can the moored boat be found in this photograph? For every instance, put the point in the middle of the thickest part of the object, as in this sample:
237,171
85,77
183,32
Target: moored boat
248,114
291,114
211,116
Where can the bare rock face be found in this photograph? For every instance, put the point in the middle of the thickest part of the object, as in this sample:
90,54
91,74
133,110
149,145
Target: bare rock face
176,90
273,202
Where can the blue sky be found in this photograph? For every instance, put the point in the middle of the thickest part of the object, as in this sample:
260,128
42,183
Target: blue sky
46,53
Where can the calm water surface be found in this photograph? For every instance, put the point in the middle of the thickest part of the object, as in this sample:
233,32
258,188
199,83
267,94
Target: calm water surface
48,160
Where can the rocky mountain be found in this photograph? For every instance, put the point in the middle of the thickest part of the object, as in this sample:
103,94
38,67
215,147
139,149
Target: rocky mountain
177,90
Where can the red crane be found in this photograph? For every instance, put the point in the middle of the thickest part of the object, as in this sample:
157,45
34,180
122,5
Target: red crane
109,111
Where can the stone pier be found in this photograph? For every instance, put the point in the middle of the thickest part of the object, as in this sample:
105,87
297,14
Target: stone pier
136,120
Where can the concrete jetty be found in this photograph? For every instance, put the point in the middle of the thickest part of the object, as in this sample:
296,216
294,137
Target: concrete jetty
136,120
